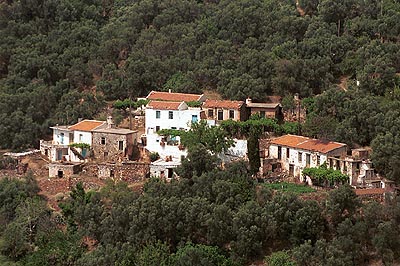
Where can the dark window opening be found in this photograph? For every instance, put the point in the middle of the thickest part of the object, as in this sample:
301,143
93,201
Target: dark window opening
60,174
170,115
158,114
262,114
318,160
210,113
308,160
157,128
170,172
220,115
103,141
120,145
300,157
112,173
231,114
287,152
279,152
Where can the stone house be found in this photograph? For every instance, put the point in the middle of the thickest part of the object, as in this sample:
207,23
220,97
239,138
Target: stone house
113,144
265,110
219,110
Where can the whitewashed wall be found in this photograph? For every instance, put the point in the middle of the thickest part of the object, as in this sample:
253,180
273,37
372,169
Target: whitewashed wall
57,139
181,119
86,137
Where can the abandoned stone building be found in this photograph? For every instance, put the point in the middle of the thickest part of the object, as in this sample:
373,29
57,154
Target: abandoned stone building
113,144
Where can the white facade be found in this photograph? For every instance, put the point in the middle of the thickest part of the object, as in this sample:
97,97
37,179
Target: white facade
163,147
179,116
297,152
62,136
170,119
296,159
83,137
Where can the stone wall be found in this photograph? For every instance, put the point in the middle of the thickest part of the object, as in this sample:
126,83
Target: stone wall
63,170
110,150
128,171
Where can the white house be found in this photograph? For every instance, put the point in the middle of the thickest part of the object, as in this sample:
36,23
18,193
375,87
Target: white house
297,152
168,115
59,148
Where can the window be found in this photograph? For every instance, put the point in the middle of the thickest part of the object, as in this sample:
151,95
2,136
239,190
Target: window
287,152
80,137
194,118
300,157
279,152
210,113
220,115
157,128
262,114
105,154
71,137
231,114
120,145
318,160
170,115
112,173
308,160
103,141
158,114
62,138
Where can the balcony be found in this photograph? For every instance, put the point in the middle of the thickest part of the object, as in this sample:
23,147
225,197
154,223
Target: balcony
52,144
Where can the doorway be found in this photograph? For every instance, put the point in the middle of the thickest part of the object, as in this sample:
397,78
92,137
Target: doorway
291,169
60,174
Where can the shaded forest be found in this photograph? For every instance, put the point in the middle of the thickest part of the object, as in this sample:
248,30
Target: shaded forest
60,60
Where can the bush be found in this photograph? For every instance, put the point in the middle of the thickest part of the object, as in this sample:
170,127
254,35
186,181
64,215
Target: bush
154,156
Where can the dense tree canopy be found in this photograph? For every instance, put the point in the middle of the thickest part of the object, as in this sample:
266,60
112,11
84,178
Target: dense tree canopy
59,59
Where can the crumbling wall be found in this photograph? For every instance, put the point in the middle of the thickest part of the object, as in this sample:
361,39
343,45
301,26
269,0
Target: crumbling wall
129,172
63,170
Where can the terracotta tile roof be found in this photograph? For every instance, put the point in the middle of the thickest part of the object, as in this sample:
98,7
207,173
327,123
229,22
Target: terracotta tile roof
304,143
173,96
223,104
87,125
160,105
263,105
369,191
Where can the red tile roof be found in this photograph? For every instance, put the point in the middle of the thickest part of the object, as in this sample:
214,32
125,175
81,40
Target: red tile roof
223,104
160,105
173,96
87,125
304,143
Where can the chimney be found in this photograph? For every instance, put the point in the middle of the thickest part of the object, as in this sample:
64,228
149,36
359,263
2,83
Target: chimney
248,100
80,119
110,123
169,90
